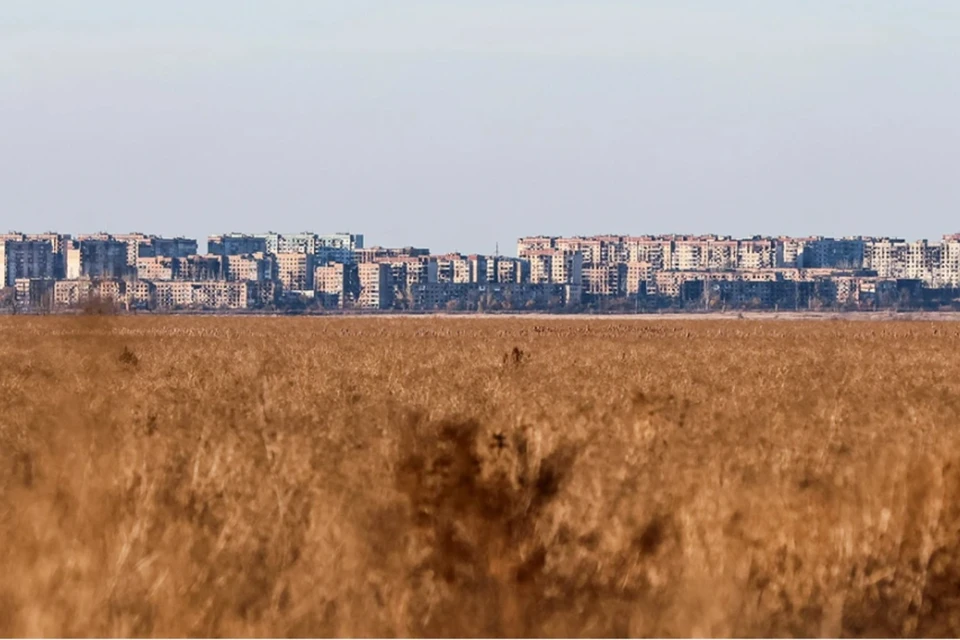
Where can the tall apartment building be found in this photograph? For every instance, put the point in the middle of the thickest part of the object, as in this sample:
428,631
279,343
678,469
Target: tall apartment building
96,258
503,270
26,259
839,253
608,280
532,244
58,241
336,284
142,245
756,253
197,268
554,266
478,266
35,293
277,243
653,251
233,244
638,278
295,270
339,247
887,256
949,273
454,268
158,268
373,254
376,288
257,267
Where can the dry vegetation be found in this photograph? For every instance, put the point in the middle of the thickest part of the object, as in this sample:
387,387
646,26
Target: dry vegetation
355,477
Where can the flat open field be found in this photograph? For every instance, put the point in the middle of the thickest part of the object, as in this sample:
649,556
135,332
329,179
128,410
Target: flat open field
363,476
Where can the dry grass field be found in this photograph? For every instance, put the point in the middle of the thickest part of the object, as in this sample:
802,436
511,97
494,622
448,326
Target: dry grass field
164,476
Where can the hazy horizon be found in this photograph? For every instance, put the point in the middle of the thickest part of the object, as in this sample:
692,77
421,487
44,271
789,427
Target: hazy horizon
458,126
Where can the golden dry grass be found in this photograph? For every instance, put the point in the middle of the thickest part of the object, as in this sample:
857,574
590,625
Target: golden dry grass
355,477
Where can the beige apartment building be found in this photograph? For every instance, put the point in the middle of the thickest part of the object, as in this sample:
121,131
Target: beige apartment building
532,244
605,279
333,284
257,267
503,270
639,278
454,268
157,268
376,288
212,294
553,266
295,271
71,293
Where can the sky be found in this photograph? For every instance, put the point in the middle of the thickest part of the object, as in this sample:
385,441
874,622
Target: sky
462,125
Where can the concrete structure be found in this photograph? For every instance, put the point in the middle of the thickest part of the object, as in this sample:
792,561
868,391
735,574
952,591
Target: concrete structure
339,247
206,295
35,293
97,258
375,286
295,270
336,284
257,267
232,244
28,259
157,268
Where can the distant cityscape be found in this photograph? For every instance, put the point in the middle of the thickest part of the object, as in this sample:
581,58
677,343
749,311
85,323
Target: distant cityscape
310,272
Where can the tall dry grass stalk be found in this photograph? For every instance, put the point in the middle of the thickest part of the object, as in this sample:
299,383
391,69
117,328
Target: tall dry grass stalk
429,477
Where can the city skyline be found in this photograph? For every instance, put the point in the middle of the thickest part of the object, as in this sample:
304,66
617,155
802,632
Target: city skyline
462,126
502,248
308,270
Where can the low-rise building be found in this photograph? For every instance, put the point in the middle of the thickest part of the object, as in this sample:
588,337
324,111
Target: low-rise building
207,294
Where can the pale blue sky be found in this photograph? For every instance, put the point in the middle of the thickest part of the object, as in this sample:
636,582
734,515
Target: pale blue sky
459,124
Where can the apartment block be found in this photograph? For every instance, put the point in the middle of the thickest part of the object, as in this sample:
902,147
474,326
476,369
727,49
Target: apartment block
556,267
532,244
26,259
233,244
35,293
639,278
142,245
653,251
949,275
335,284
197,267
74,292
295,270
157,268
509,271
256,267
478,266
210,294
376,288
96,258
757,253
339,247
374,254
607,280
454,268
